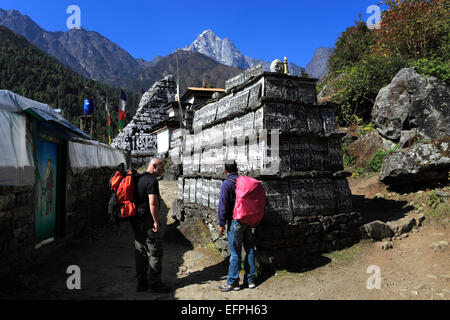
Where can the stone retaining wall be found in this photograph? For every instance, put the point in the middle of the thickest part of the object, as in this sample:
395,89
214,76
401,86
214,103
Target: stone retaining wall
16,226
86,204
87,199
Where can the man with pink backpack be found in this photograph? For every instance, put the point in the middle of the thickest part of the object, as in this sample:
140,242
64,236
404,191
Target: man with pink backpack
241,207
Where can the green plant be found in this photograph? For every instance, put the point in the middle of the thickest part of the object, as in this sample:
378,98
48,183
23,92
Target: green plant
413,33
415,29
356,174
351,46
347,157
361,82
376,161
433,199
366,129
433,67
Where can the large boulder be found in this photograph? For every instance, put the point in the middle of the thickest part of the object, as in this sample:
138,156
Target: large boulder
364,148
413,101
421,162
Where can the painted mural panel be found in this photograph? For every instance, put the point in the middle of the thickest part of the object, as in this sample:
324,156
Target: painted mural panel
46,191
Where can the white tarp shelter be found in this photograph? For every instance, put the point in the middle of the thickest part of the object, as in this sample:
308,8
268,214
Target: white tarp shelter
89,154
16,142
17,163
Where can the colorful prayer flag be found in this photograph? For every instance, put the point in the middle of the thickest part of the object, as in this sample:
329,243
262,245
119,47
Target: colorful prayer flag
109,121
122,106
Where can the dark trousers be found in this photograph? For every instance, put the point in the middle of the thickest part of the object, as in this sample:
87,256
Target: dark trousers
148,250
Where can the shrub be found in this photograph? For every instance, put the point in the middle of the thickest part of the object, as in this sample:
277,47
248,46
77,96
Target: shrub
433,199
351,47
347,157
359,87
376,161
413,33
433,68
366,129
414,29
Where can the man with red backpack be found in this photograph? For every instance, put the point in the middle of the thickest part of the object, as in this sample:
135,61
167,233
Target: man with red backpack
241,207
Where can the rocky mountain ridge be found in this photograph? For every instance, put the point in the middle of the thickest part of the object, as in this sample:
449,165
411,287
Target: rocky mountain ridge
318,66
86,52
94,56
225,52
194,68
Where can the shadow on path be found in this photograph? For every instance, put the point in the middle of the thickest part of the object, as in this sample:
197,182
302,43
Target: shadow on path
380,209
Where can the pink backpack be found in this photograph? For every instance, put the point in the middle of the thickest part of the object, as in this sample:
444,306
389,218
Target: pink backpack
250,201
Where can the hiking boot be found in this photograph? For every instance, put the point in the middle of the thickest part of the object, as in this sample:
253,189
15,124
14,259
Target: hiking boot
160,288
228,287
250,284
142,286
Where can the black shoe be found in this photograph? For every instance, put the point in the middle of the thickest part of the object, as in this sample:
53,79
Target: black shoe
228,287
160,288
142,286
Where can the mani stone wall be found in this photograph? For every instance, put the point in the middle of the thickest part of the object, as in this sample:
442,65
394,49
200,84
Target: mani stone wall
309,206
138,136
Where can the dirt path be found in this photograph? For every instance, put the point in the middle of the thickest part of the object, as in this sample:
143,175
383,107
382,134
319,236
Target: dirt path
411,270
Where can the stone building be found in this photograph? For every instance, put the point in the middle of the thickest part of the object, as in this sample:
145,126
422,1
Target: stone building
50,172
271,125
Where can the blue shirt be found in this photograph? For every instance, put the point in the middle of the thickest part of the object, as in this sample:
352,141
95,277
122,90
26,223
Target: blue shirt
227,200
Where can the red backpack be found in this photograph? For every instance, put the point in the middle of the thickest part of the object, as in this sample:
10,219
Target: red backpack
122,203
250,201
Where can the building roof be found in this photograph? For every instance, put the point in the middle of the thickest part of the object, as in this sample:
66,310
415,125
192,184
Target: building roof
13,102
202,93
206,89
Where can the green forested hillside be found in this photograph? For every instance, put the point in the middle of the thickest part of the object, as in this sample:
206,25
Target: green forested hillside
193,67
30,72
412,33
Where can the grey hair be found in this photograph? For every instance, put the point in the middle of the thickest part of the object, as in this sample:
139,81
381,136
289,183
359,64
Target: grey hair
156,159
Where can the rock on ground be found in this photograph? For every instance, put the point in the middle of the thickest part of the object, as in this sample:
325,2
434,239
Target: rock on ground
413,101
422,162
363,149
378,230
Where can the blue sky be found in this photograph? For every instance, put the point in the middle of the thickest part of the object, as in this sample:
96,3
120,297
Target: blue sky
260,29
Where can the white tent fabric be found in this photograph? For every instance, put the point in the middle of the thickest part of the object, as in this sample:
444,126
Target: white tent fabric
87,154
11,101
16,145
16,158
